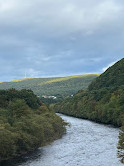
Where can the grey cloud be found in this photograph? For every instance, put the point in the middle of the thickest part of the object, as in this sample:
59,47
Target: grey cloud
49,37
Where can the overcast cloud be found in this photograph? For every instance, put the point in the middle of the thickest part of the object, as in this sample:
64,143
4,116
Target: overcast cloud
59,37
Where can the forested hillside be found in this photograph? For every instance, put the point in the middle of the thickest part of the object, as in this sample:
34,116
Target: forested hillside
60,87
25,123
102,102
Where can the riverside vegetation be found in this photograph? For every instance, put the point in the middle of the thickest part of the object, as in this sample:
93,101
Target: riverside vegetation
25,123
102,102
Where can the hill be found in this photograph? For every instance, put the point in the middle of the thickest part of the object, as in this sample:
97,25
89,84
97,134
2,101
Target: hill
59,87
106,90
102,102
113,77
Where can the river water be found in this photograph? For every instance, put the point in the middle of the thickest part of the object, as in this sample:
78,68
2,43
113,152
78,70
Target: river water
85,144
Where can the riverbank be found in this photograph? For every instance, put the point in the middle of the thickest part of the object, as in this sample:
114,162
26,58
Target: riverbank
79,117
26,124
85,143
52,128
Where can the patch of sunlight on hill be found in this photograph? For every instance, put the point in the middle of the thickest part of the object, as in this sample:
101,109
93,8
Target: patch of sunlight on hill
67,78
19,80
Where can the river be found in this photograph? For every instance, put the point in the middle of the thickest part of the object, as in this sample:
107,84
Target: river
85,144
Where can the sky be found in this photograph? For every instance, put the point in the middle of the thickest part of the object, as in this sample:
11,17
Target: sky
46,38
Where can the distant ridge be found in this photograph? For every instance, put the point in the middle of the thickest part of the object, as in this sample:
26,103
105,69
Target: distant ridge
63,86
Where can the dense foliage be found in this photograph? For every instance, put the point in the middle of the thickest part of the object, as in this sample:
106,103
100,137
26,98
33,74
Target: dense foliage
60,87
25,123
102,102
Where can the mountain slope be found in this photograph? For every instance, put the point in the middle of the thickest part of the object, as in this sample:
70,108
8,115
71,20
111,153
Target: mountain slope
114,76
105,92
63,86
102,102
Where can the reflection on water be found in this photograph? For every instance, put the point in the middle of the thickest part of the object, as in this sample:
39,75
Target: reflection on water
85,144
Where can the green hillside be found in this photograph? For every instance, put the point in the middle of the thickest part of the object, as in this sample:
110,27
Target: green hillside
61,86
113,77
102,102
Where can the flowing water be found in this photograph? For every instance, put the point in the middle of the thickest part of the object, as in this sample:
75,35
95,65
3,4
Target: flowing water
85,144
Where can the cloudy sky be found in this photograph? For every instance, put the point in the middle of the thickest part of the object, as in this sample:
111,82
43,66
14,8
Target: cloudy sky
44,38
